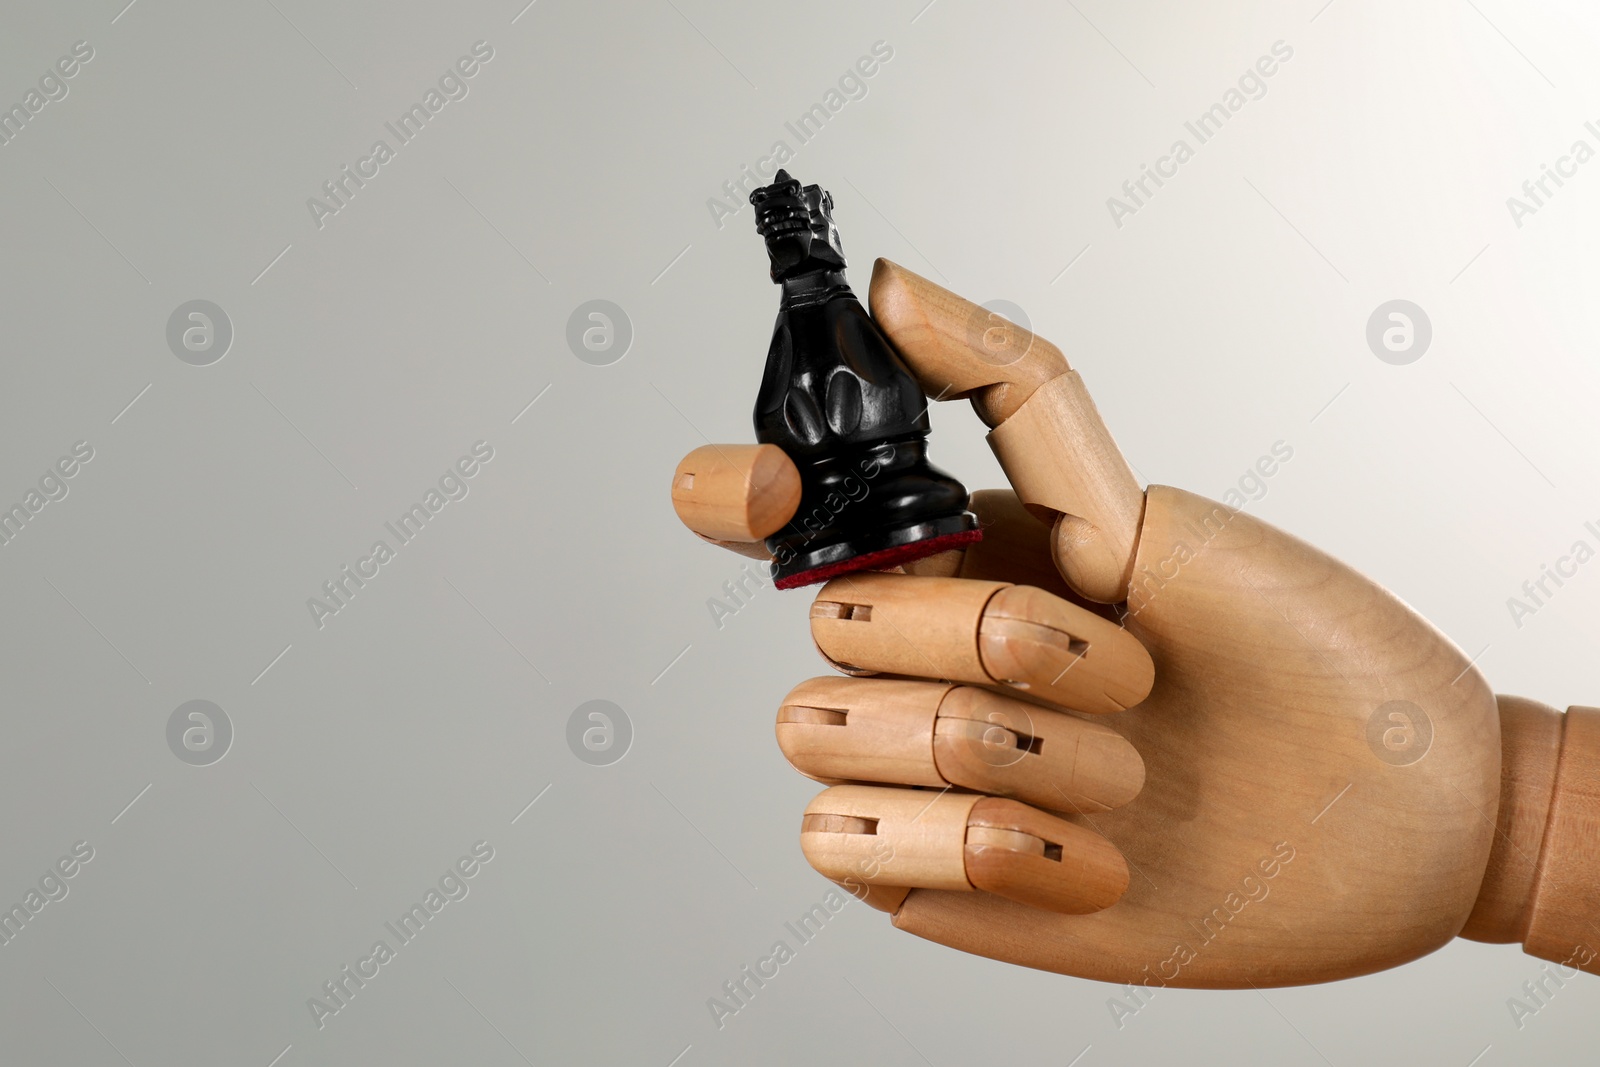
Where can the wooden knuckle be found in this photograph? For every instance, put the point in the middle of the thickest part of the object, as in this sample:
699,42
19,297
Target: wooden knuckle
1059,456
1037,643
1025,855
993,744
1096,566
956,348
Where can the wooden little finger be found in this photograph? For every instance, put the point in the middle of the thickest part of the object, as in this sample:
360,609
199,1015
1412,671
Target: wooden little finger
872,835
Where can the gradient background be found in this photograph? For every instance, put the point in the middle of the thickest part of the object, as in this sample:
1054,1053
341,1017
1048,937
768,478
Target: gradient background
369,354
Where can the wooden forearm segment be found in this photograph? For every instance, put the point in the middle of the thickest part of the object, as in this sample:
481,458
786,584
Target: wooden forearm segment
1045,429
1542,886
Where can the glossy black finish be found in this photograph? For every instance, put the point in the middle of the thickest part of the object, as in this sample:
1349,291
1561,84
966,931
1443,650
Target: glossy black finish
837,398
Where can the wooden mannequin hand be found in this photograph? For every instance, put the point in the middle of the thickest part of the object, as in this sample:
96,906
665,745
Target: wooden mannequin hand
1321,768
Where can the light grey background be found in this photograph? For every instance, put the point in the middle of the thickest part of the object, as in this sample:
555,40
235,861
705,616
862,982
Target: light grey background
369,354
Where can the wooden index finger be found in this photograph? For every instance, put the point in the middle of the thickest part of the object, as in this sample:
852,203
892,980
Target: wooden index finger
993,634
1045,429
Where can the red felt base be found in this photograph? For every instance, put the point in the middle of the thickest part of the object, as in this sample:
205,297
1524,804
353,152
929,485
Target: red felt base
876,561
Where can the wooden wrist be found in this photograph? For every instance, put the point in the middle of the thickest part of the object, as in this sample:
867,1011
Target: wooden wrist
1542,885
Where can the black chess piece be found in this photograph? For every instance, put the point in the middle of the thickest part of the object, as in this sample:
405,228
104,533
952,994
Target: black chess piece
837,398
